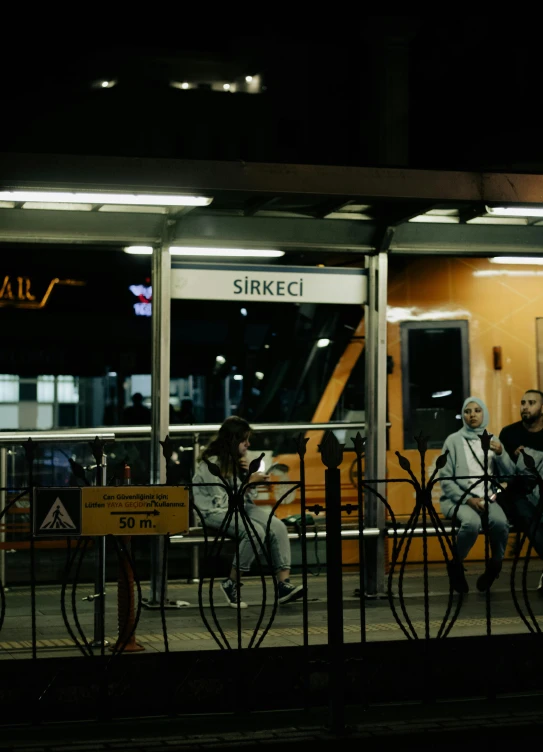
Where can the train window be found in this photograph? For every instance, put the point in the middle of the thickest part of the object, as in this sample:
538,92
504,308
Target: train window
435,378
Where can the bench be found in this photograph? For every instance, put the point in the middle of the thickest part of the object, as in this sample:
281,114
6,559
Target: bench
195,535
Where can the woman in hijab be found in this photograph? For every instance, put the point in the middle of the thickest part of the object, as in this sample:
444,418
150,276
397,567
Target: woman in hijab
464,499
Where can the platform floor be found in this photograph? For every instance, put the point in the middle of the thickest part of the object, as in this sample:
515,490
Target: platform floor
186,630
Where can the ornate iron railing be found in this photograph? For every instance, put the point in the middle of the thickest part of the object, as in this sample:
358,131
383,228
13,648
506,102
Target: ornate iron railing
424,520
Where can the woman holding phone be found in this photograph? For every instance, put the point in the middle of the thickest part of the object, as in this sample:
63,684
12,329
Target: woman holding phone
212,503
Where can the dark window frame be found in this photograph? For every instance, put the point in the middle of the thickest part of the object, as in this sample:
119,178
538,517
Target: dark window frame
405,328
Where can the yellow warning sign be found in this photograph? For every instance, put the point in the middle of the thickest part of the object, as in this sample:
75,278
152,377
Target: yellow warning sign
134,510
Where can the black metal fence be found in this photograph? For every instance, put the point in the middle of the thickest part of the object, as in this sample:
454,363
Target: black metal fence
239,670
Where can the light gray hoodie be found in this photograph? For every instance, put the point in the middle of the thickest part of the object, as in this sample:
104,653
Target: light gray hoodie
457,465
213,498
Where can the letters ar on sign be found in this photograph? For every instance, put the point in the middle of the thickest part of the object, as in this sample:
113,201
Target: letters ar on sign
111,510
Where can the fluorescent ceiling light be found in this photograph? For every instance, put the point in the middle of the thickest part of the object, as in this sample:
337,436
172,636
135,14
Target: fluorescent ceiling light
139,250
234,252
508,273
238,377
516,211
445,393
494,220
123,209
396,314
439,219
48,205
127,199
535,260
324,342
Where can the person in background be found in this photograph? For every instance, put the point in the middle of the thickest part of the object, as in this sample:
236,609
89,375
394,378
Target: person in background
137,414
212,503
186,412
466,501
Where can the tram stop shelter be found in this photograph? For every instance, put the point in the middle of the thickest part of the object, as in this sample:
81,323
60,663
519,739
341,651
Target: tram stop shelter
364,214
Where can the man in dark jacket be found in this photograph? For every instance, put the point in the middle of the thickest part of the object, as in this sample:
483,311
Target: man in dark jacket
521,498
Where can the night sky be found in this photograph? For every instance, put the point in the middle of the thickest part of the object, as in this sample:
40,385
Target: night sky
473,92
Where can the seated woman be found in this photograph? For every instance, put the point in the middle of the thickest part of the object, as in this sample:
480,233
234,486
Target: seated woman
212,503
467,501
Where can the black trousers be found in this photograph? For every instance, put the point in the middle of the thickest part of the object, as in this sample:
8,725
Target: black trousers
526,516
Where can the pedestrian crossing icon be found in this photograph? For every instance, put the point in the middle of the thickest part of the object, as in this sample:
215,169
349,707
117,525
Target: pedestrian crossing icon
57,512
58,518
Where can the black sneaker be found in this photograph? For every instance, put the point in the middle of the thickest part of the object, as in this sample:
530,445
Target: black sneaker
288,592
230,591
457,577
492,571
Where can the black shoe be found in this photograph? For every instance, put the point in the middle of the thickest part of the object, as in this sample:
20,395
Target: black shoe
230,590
492,571
288,592
457,578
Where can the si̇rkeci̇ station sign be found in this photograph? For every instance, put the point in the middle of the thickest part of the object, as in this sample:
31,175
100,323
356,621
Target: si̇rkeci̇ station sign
268,284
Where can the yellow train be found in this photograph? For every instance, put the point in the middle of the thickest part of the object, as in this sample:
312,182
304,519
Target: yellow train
455,326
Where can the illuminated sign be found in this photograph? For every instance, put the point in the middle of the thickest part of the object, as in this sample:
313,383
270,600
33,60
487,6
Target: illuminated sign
268,284
17,291
144,294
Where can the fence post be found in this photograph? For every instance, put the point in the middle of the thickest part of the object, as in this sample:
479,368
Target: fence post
126,639
99,640
30,455
332,456
194,574
3,520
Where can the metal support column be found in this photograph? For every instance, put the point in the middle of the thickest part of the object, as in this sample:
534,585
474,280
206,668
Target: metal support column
160,397
376,405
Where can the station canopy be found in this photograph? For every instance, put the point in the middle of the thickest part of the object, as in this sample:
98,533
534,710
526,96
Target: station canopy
343,210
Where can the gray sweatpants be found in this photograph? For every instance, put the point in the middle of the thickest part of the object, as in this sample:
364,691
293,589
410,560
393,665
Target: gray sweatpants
259,516
471,524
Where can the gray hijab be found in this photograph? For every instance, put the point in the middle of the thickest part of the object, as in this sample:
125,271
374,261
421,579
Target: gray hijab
471,433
